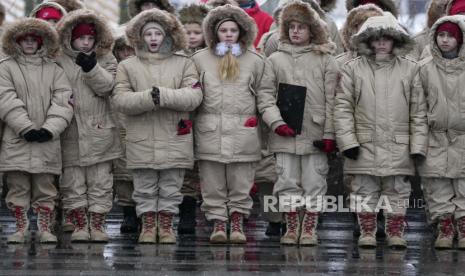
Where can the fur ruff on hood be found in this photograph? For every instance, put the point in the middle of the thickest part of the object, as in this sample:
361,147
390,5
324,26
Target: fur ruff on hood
218,3
385,5
456,63
193,14
328,5
134,6
245,22
103,40
175,33
70,5
304,13
50,46
378,26
48,4
355,20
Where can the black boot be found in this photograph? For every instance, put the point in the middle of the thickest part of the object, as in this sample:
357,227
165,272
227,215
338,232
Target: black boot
187,216
130,221
273,229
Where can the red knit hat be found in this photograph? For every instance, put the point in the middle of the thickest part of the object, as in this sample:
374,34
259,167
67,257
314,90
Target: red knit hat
49,13
83,29
457,7
36,37
453,29
363,2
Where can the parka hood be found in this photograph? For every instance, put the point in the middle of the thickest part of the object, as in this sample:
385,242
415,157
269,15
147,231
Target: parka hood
103,40
50,46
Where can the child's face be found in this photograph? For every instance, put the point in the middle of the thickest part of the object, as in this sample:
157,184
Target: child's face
194,35
382,45
299,33
29,45
228,32
84,43
446,42
153,39
124,53
148,6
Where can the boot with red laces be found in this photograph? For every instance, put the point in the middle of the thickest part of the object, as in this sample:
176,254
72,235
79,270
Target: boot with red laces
68,221
44,215
445,236
97,227
395,225
81,226
461,232
367,222
148,232
22,226
236,229
165,228
219,232
291,236
308,235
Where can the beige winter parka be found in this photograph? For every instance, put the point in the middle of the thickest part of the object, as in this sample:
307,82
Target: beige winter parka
380,105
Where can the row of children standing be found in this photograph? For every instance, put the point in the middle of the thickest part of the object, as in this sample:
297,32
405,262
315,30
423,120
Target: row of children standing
382,125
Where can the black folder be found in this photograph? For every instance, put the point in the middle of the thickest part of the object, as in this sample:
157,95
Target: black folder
291,103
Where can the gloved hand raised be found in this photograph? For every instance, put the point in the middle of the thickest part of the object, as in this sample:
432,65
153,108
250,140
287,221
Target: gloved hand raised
352,153
285,131
87,62
44,135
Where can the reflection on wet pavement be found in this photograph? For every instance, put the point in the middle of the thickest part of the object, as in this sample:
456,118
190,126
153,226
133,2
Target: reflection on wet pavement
337,253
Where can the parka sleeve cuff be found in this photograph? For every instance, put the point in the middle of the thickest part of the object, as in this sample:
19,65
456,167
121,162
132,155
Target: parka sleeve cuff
272,116
329,136
347,141
417,149
275,125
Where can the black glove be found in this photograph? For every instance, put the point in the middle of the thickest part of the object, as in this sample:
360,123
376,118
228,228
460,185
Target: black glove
87,62
155,95
418,158
32,135
44,135
352,153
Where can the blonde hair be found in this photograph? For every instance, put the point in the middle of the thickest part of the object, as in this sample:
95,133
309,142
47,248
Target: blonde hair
228,67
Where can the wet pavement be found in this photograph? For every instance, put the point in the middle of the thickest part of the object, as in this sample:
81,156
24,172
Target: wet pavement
337,253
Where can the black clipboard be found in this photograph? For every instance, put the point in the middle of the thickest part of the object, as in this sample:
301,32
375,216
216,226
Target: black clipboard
291,104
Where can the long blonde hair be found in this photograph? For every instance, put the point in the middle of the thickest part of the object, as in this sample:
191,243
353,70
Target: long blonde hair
228,67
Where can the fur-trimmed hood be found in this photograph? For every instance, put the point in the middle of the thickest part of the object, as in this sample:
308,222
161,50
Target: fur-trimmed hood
378,26
454,64
103,40
355,20
48,4
175,34
328,5
304,13
134,6
436,9
385,5
193,14
50,46
245,22
70,5
218,3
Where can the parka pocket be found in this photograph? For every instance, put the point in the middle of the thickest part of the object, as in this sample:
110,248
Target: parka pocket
247,140
401,151
366,156
102,132
207,138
